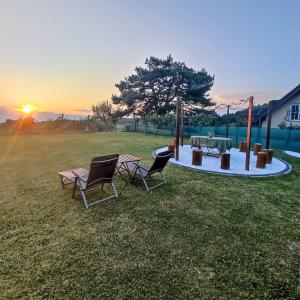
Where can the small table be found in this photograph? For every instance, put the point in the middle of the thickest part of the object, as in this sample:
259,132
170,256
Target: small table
221,143
124,160
68,177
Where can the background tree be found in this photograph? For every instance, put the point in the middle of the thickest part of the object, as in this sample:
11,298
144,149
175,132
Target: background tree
154,89
107,112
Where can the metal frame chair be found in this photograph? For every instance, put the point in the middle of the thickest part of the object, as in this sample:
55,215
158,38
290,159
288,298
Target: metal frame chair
101,171
144,172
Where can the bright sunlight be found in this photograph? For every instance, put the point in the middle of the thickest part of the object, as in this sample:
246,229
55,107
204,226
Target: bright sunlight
27,109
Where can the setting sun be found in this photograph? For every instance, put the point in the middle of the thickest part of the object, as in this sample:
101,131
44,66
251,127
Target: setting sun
27,109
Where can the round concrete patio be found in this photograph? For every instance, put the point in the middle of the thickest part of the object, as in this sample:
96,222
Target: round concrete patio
292,153
237,163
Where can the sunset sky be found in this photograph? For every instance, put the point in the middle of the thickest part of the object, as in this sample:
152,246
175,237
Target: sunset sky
63,56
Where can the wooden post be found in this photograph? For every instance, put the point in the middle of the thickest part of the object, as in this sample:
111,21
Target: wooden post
227,120
181,123
247,163
269,125
177,128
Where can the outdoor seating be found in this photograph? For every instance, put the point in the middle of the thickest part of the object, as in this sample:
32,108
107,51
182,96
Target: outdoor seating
269,155
261,160
243,146
256,148
197,157
225,161
101,172
145,172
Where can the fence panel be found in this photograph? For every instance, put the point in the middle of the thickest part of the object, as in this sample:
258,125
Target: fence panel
284,139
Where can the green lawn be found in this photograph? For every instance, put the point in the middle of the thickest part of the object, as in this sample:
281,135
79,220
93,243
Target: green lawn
200,236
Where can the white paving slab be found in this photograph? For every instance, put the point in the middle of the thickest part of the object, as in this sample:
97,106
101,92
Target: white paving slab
292,153
237,163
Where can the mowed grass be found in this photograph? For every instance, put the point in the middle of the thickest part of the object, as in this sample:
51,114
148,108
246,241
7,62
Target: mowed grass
201,236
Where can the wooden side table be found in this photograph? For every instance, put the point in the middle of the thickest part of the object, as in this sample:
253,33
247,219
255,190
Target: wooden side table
68,177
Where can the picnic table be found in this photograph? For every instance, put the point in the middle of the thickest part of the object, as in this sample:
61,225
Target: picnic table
220,143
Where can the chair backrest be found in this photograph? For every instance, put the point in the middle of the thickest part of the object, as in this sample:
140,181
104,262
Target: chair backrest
160,161
102,169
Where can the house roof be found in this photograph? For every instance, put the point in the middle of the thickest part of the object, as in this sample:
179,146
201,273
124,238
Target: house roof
261,112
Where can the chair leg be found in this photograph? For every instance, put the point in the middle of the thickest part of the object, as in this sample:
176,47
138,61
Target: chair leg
74,187
62,181
163,177
145,183
152,187
114,189
84,198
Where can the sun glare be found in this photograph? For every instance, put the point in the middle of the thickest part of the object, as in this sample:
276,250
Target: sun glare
27,109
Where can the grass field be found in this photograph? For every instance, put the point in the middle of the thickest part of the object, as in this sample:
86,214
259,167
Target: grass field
200,236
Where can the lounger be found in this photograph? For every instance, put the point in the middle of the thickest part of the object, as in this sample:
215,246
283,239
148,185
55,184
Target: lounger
101,172
145,172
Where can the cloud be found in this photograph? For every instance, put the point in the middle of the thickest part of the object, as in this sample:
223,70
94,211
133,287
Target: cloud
260,97
84,110
8,113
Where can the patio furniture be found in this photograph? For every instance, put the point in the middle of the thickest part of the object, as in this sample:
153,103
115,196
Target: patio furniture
68,177
243,146
145,172
211,143
123,165
225,161
101,171
261,160
197,157
257,148
269,155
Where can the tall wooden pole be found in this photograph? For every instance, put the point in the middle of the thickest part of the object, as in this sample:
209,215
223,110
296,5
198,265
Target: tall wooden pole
177,129
269,125
181,123
227,120
247,164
